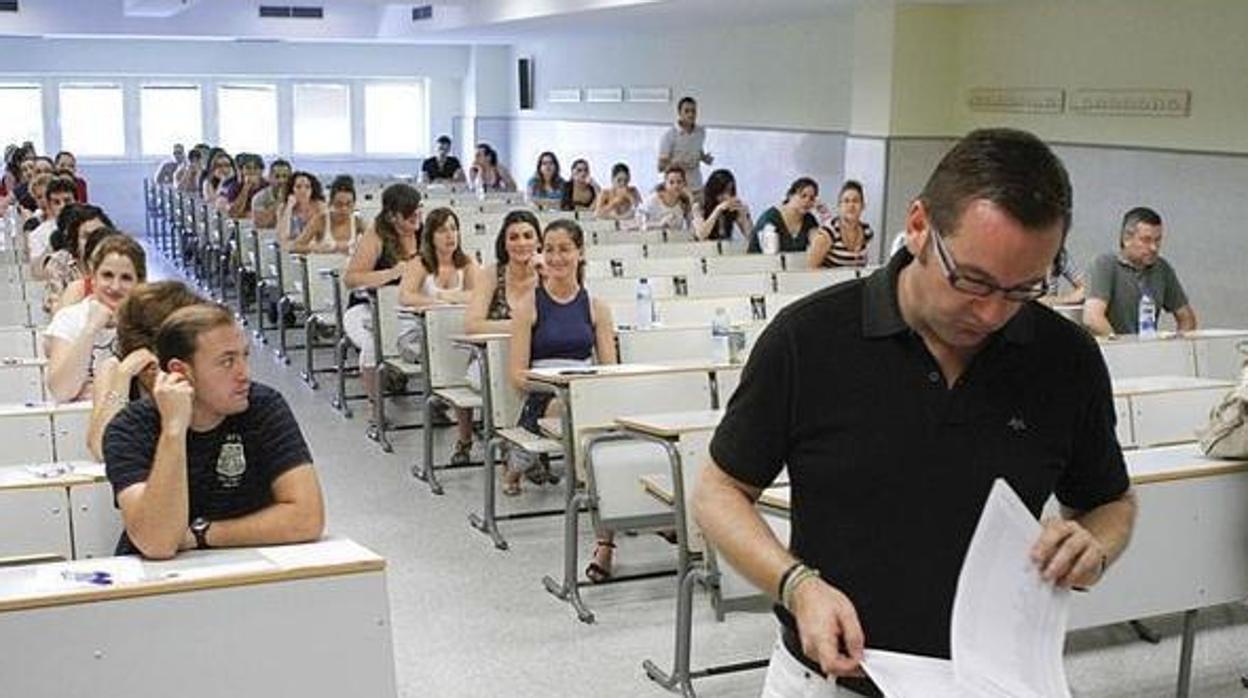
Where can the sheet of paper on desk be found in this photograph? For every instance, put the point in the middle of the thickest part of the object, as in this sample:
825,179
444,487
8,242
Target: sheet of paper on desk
1008,623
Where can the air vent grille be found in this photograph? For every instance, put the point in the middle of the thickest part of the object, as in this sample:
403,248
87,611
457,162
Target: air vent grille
8,5
422,12
291,12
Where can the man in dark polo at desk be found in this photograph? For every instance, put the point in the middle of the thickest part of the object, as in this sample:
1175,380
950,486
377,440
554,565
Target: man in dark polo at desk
896,400
211,460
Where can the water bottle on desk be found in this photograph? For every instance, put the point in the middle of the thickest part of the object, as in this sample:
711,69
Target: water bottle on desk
1147,315
645,304
721,328
769,239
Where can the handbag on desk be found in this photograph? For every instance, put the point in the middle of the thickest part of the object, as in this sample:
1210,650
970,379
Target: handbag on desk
1226,434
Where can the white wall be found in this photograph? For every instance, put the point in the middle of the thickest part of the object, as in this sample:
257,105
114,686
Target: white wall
776,100
1192,170
788,75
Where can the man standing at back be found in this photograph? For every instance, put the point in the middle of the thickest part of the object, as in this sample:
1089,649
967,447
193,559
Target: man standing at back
896,401
1117,283
684,144
212,460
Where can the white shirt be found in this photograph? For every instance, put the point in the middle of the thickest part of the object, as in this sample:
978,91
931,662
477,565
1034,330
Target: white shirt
685,147
660,214
70,322
41,238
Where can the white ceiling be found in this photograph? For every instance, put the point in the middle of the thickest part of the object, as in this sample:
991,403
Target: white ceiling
455,21
354,20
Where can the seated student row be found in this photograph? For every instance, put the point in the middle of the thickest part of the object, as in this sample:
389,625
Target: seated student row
802,222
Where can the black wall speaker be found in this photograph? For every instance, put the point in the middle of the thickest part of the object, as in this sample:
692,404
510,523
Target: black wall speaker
525,68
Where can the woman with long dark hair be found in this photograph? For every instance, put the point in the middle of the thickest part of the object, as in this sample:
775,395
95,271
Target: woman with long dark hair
560,325
545,187
380,259
722,210
444,274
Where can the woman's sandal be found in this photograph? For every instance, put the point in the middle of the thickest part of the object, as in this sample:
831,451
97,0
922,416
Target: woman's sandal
462,453
511,482
599,570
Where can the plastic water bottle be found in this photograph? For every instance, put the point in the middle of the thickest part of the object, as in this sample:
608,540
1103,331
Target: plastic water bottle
645,304
641,218
721,329
770,239
1148,316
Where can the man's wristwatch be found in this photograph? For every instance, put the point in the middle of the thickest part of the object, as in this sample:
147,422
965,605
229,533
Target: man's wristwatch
199,527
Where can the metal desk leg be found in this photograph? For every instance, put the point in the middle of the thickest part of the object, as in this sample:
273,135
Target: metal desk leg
486,523
1183,690
427,473
680,679
569,590
340,363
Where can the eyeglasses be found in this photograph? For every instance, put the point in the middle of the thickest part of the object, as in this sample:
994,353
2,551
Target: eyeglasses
979,287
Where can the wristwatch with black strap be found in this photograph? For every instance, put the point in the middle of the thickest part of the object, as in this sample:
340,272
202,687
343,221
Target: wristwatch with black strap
199,527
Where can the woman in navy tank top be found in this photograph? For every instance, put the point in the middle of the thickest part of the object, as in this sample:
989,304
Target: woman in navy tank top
560,325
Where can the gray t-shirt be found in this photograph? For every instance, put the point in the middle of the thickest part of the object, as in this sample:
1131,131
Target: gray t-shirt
1113,280
685,148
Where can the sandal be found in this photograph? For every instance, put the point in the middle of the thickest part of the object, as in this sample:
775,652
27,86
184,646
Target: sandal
511,482
462,453
599,570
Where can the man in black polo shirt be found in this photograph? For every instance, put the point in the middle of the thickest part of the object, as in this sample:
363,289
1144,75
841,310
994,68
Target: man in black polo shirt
442,167
895,402
212,460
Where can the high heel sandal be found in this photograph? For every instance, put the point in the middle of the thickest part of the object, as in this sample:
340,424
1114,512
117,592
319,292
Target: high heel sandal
511,482
599,570
462,453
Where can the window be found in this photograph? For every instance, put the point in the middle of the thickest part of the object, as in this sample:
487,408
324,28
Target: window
92,119
322,119
169,114
247,118
22,106
395,118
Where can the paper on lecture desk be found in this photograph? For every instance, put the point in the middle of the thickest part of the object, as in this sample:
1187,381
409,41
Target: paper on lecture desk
1008,623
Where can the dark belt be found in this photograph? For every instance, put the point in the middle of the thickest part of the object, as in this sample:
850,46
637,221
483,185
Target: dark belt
862,686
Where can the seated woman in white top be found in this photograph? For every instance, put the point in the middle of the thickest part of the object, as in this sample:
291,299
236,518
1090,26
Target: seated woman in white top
337,227
443,274
722,210
304,204
670,206
131,372
620,200
81,335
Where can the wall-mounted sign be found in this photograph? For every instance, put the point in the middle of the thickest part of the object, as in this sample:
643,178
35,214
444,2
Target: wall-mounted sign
1131,102
570,94
650,94
604,94
1030,100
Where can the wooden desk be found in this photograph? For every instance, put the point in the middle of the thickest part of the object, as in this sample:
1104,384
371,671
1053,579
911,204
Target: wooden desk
671,425
302,620
1156,410
1208,353
29,432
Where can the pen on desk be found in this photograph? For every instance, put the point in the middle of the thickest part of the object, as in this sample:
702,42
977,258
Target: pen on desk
97,577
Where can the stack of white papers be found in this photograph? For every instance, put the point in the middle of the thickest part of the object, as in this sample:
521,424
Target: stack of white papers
1008,623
